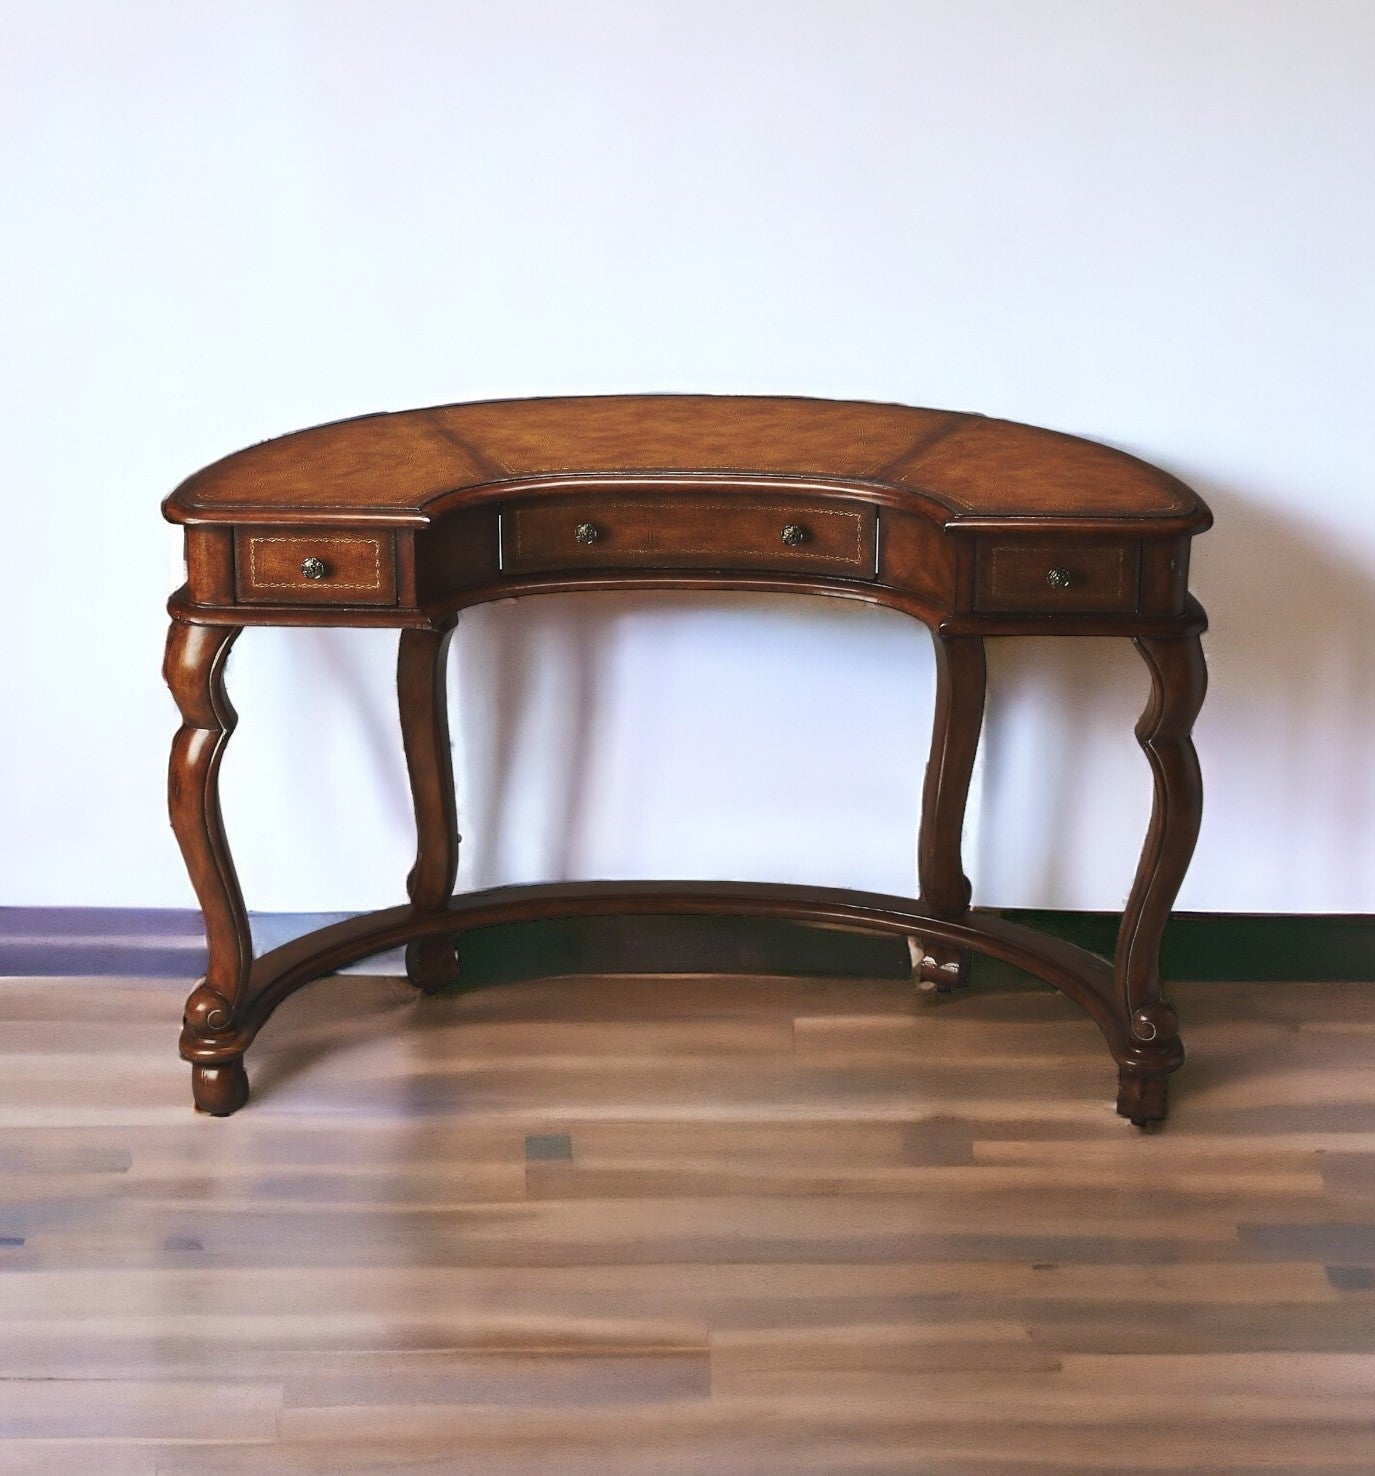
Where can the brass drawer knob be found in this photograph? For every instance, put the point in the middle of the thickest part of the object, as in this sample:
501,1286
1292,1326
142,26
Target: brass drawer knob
586,533
313,568
1057,577
793,535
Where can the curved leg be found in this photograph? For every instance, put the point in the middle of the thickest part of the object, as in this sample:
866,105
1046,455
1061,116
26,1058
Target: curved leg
1179,679
421,687
194,671
961,675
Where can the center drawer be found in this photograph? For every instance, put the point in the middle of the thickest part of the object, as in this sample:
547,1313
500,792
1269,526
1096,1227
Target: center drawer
679,531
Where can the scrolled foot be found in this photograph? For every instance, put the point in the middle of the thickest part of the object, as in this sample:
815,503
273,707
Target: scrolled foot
432,964
938,964
221,1088
208,1013
1141,1098
1155,1023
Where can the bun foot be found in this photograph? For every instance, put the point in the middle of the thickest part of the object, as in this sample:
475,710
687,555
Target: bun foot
1141,1098
219,1089
432,964
938,964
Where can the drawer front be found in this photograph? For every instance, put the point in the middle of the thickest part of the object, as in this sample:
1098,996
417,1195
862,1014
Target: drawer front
315,568
1047,576
782,535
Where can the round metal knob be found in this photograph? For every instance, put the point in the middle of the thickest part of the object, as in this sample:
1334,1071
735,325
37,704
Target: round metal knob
586,533
1057,578
793,535
313,568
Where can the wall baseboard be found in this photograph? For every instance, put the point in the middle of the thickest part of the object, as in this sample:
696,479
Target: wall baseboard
168,943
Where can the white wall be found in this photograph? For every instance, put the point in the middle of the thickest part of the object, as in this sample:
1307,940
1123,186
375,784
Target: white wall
1149,223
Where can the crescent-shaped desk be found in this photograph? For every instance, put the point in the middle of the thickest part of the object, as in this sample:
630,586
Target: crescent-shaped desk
976,527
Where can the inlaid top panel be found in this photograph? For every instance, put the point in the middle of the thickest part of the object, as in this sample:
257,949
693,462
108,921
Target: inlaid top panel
397,465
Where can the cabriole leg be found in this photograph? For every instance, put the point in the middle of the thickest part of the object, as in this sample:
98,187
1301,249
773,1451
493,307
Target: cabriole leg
1179,679
421,689
194,671
961,676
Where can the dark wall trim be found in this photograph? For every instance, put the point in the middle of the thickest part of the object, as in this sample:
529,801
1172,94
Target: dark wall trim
1236,945
168,943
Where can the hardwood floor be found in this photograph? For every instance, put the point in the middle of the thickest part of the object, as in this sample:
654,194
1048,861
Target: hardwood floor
683,1225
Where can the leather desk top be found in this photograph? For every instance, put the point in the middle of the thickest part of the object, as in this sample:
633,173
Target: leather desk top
408,467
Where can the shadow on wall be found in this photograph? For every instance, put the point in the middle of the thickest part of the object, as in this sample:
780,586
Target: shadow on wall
1286,739
1289,726
541,695
1061,794
823,767
667,735
314,788
512,668
1062,798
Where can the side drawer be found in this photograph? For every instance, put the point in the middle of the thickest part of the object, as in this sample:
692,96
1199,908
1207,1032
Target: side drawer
1046,576
302,568
673,531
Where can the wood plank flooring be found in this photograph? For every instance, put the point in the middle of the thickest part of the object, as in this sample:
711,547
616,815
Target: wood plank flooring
682,1225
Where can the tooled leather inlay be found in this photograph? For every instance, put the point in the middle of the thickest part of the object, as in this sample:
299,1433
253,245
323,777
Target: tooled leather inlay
1003,582
307,544
690,433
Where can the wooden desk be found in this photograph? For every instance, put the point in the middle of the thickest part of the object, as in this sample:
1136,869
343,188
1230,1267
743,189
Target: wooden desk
976,527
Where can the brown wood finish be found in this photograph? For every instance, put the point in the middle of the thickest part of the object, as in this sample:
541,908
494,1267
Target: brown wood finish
421,687
1179,680
194,671
349,569
690,532
405,468
976,527
1100,577
961,679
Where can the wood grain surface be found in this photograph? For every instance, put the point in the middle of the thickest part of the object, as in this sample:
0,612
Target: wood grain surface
680,1224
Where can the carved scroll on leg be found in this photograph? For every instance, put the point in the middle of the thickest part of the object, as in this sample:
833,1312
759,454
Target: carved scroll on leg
961,675
1179,679
194,671
421,689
